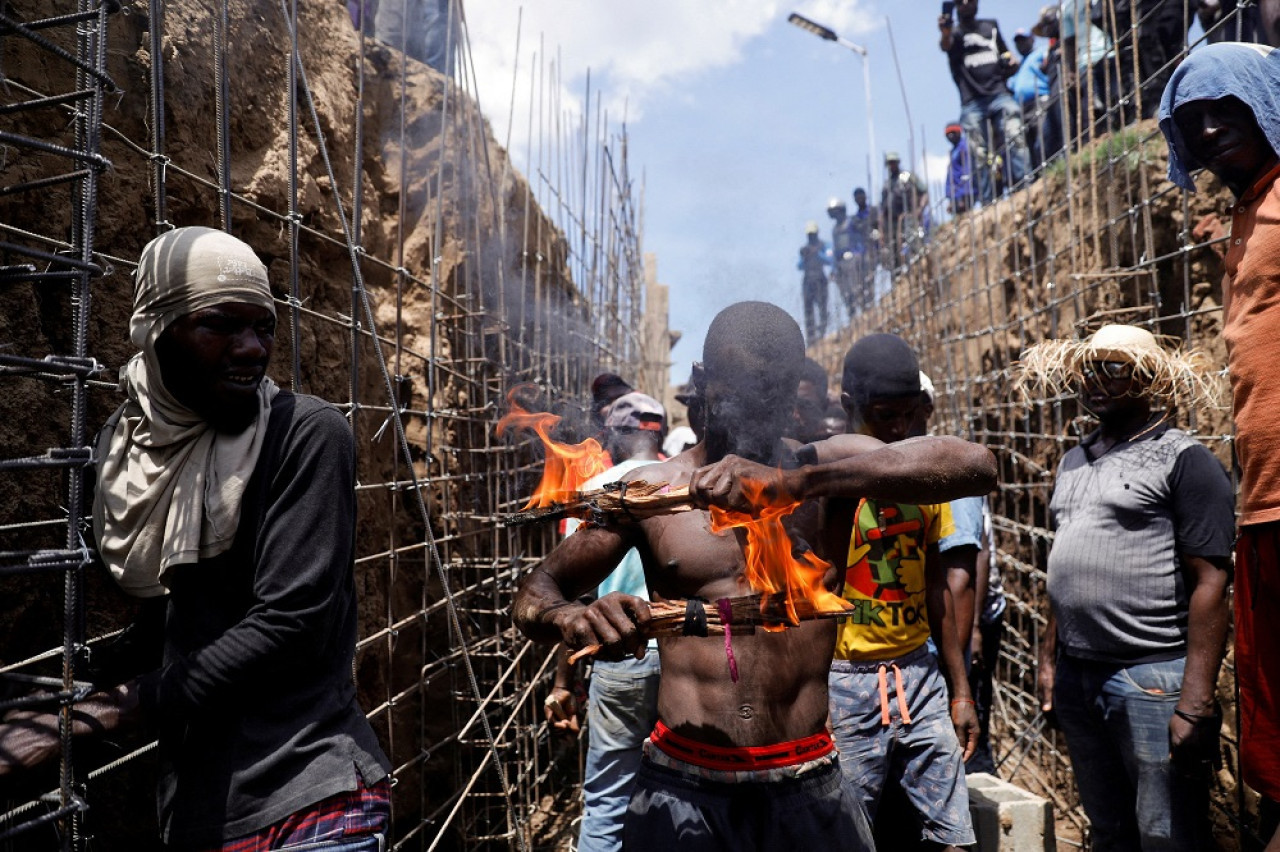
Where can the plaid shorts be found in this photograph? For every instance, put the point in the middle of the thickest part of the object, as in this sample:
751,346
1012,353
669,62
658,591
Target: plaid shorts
364,811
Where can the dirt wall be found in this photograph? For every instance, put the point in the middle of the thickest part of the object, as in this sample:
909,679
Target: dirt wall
453,253
1103,237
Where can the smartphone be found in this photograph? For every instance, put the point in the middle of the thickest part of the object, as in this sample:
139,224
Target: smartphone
948,8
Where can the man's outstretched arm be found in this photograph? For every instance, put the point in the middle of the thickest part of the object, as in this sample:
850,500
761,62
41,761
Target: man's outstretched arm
546,608
942,626
918,470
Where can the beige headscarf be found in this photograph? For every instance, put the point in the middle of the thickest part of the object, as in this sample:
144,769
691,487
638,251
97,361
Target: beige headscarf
169,485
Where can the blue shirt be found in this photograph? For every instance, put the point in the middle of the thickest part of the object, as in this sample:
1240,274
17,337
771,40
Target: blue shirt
960,173
1030,81
813,257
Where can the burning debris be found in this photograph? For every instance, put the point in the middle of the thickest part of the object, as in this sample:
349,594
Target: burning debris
633,500
787,578
567,466
743,613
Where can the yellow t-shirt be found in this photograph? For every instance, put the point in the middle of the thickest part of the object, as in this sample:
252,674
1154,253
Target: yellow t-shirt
884,578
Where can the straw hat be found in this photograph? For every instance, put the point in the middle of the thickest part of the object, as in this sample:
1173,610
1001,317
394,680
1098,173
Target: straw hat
1170,376
1122,343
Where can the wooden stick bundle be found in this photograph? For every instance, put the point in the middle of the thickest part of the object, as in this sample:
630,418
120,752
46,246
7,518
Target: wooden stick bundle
705,618
634,500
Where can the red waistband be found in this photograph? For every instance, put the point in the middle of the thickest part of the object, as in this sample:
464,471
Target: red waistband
742,757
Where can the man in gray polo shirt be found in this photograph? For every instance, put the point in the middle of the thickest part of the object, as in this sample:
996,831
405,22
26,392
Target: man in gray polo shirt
1137,582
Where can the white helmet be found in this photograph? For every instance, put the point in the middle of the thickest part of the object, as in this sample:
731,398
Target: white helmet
835,203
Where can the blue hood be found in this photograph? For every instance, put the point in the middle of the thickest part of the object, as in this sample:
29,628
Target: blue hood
1250,72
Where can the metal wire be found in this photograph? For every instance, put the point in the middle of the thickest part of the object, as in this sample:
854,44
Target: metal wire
1098,235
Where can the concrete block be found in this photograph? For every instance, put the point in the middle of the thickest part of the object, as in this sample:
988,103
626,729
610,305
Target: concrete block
1006,818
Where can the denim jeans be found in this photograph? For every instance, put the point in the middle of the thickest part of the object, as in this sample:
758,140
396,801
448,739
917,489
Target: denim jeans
1116,721
621,713
1003,114
922,756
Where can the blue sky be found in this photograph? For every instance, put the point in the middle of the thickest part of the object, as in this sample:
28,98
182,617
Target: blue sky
743,125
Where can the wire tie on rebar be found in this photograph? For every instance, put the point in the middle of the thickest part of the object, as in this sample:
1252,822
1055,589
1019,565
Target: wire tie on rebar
71,454
88,366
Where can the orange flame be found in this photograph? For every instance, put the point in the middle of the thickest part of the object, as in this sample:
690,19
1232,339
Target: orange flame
772,569
567,466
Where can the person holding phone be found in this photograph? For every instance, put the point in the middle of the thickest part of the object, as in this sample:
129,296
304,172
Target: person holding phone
980,63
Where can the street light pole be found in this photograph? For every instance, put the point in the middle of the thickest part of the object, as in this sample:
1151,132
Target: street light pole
828,34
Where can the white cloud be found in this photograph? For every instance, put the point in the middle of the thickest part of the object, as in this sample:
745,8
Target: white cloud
848,19
636,49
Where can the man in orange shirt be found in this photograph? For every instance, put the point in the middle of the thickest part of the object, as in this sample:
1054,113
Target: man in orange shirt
1221,111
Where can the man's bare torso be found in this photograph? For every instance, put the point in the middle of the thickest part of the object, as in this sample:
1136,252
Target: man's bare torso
781,692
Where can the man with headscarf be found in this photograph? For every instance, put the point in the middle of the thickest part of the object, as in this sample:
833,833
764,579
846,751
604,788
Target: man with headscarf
899,715
740,757
236,500
1138,573
1221,111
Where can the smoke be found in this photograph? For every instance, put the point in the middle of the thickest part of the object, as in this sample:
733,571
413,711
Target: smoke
748,423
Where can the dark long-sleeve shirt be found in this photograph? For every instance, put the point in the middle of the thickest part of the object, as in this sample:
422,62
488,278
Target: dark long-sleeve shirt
256,701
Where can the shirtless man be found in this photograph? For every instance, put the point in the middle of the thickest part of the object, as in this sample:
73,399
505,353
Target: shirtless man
745,764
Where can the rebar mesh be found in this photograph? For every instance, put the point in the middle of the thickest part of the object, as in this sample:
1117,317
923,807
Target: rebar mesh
1095,235
418,328
414,321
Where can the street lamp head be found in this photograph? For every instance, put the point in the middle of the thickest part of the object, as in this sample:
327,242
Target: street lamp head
812,26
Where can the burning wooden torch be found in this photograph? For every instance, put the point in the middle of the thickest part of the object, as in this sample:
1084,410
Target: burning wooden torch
787,585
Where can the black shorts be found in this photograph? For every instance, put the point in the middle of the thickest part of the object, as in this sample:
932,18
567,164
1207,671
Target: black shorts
680,809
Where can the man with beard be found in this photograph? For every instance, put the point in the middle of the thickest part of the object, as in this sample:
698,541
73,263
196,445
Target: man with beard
739,759
231,503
